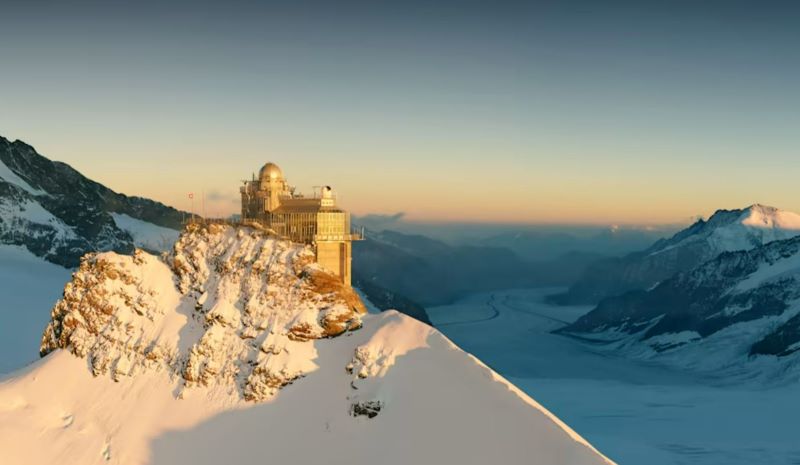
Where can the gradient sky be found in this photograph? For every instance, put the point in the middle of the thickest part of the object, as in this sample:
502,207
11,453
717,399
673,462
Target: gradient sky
539,112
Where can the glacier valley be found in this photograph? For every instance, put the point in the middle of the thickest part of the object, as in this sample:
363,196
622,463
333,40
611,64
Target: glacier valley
635,411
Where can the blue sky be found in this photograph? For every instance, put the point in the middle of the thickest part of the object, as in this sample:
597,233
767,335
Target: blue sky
535,112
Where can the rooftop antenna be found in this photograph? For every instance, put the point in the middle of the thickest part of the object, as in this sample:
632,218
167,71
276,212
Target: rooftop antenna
191,197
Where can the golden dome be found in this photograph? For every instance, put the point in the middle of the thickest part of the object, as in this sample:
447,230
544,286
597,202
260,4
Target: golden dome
270,171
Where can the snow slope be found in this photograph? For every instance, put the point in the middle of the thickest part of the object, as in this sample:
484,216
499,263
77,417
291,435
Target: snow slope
737,316
440,406
9,176
745,229
146,235
238,349
29,286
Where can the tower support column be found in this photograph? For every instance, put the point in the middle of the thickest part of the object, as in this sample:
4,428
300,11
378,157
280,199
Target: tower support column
336,257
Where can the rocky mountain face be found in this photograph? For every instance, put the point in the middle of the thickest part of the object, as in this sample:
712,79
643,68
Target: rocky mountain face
725,231
247,305
237,348
736,307
59,214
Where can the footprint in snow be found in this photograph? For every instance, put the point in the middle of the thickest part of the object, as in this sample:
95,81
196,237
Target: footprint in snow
68,420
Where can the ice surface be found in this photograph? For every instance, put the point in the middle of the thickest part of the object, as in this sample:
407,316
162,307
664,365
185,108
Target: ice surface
11,177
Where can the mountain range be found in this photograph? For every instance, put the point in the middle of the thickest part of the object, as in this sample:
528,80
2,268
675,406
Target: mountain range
724,231
433,272
737,312
545,246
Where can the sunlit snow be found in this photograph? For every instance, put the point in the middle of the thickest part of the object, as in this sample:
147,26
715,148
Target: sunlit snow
146,235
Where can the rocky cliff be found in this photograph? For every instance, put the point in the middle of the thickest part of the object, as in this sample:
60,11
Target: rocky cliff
59,214
247,305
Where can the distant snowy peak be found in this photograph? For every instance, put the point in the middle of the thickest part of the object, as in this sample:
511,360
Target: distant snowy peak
732,230
761,216
58,214
724,231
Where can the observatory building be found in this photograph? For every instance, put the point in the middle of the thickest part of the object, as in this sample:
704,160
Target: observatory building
269,200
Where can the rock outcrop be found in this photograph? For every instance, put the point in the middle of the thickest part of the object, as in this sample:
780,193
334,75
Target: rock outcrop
232,308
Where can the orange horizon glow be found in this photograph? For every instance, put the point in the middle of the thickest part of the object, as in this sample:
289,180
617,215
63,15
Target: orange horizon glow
503,192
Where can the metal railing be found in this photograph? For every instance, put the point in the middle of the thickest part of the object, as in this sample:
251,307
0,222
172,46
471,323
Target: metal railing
200,220
355,234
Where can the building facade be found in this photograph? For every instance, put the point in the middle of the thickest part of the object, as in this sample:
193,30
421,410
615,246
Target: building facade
316,220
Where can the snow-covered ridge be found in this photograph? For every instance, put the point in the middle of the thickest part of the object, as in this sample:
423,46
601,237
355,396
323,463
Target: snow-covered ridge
724,231
419,399
185,359
146,235
732,230
762,216
229,307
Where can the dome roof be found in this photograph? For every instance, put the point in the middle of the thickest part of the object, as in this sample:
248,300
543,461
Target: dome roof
270,171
